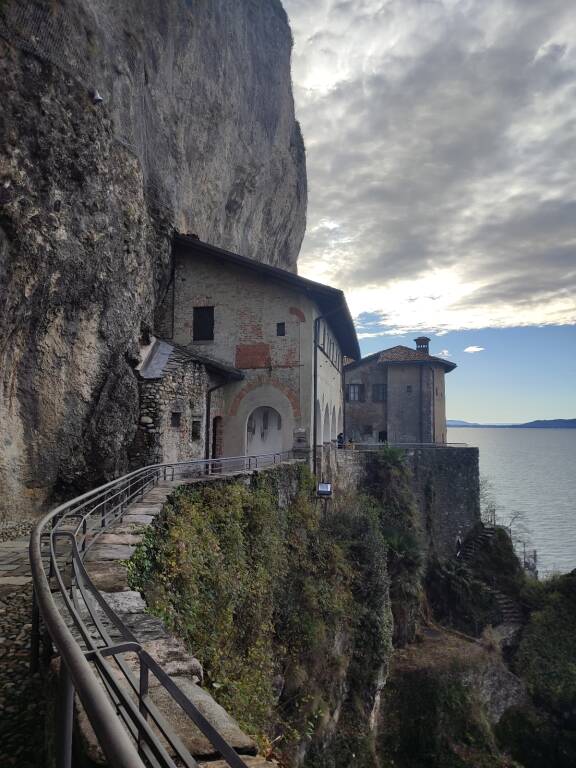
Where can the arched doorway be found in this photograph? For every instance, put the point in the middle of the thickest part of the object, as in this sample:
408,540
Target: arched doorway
264,431
326,427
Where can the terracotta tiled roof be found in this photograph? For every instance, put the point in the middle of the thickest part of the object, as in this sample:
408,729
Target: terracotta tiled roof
401,354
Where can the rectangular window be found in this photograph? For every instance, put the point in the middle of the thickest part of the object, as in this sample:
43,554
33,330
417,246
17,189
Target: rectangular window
203,329
280,329
196,427
378,393
382,436
409,388
355,393
175,419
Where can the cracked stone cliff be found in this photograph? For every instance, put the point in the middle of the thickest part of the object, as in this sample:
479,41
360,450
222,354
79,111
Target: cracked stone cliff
195,132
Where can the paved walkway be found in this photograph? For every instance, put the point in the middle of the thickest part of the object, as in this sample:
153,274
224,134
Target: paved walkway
21,694
105,566
22,705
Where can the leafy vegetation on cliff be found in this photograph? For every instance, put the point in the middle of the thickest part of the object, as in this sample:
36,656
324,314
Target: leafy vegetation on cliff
287,609
546,659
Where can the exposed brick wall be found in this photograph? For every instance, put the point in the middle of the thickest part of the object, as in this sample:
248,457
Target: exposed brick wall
253,356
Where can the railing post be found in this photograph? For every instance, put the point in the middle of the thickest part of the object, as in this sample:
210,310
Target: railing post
142,692
65,718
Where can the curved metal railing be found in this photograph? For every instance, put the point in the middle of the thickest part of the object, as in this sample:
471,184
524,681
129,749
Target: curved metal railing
100,658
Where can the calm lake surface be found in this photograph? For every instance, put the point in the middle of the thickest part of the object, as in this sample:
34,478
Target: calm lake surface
533,472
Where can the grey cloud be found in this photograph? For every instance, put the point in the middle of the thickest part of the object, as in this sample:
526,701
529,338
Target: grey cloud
446,151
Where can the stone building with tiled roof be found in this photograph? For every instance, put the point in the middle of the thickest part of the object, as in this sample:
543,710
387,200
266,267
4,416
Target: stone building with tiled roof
397,396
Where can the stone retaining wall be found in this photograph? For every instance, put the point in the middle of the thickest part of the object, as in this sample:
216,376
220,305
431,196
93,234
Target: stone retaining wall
445,482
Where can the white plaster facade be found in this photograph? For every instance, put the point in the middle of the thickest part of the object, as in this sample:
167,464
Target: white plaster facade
264,326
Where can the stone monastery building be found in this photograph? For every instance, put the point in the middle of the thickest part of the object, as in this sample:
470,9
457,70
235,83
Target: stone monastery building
397,396
246,359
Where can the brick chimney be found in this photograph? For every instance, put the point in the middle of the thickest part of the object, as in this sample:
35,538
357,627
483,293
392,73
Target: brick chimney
422,343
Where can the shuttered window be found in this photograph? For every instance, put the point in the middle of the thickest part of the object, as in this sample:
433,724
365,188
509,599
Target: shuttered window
355,393
378,393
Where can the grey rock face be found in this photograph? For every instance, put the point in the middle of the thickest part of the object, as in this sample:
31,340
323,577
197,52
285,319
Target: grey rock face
199,94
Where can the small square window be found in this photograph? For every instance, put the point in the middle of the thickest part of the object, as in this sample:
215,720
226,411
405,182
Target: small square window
280,329
196,427
175,419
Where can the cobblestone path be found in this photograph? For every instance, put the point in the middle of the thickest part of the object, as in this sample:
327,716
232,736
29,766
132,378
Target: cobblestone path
21,694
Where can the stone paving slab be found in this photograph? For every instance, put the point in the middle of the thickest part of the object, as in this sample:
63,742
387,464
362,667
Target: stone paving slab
109,576
131,539
15,581
143,519
101,552
251,762
130,528
195,741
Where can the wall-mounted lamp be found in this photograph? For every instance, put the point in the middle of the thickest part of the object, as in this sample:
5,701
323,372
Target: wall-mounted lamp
95,96
324,491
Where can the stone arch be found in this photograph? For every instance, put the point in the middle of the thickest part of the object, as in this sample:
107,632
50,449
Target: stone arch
326,425
264,431
263,396
318,424
334,432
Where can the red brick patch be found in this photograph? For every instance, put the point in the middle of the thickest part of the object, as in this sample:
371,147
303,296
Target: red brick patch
298,313
253,356
289,393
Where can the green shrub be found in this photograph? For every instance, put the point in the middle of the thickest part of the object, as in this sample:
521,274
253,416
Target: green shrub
546,657
432,719
263,594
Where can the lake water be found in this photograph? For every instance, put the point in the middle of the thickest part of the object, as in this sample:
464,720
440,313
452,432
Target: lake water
532,472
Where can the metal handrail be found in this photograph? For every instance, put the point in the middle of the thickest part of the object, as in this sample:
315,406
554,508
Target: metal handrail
407,446
130,729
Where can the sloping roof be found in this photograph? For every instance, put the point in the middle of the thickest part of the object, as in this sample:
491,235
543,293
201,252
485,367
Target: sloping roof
331,301
165,356
402,354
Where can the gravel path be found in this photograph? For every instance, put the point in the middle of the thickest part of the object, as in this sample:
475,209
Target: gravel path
21,694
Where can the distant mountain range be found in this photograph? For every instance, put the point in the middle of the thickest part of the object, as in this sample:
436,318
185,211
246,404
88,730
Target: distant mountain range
539,424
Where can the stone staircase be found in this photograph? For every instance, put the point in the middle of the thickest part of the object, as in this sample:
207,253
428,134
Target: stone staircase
510,610
477,542
105,564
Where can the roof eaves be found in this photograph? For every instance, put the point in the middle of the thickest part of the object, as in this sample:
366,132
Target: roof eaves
346,333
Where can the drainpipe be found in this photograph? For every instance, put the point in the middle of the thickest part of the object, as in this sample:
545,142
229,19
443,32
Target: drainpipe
208,407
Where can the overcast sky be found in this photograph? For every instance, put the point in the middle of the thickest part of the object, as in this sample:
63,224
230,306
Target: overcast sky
441,154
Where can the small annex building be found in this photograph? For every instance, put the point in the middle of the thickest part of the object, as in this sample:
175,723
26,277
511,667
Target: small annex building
397,396
174,385
273,343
